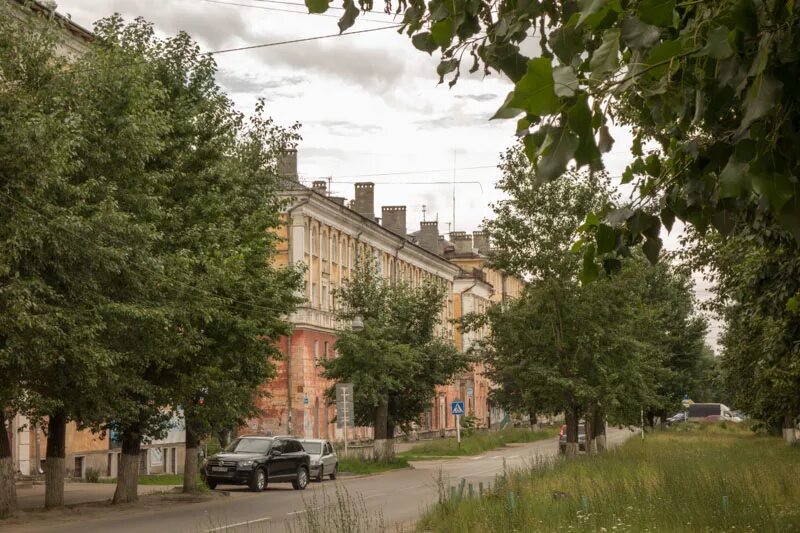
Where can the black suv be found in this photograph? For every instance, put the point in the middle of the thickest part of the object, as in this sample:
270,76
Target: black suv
255,460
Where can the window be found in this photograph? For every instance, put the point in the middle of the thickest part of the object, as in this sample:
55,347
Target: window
316,351
325,297
334,246
293,446
324,245
109,465
78,471
325,350
313,241
352,256
314,295
343,252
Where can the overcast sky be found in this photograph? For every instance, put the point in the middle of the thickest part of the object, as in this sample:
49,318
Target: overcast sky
369,104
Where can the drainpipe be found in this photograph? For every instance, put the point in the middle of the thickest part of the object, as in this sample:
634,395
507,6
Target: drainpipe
397,260
289,233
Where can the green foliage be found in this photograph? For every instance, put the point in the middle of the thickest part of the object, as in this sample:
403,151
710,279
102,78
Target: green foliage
136,234
358,466
710,85
399,357
669,481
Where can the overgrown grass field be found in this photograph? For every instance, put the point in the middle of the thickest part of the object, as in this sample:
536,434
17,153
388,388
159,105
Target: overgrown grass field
709,478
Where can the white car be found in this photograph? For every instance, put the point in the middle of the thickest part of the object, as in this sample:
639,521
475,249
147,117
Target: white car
324,461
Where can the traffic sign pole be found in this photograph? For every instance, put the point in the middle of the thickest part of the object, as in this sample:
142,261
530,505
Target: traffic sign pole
458,430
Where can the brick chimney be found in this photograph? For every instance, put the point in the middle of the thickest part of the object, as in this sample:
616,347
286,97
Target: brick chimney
480,241
429,236
365,200
287,164
393,218
461,241
320,186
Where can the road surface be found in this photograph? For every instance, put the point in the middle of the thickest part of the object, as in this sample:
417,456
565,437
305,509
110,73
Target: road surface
399,496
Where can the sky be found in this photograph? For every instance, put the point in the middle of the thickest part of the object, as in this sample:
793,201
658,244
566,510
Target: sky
369,103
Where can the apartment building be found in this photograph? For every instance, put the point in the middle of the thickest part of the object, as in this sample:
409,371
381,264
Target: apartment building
327,235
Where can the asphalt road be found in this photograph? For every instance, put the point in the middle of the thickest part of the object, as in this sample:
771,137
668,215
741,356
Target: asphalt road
398,496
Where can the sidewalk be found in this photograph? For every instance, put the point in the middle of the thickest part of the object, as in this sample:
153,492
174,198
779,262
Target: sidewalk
33,497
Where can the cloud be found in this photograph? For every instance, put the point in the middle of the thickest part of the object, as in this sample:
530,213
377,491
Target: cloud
455,119
485,97
235,82
346,128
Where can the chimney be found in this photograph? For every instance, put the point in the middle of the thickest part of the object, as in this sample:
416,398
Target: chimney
461,241
338,199
320,186
480,241
287,164
365,200
394,218
429,236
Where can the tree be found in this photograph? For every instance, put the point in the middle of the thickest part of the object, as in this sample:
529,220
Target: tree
398,359
711,84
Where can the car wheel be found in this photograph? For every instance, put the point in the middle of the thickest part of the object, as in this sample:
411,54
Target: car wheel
259,480
335,468
320,475
301,480
211,484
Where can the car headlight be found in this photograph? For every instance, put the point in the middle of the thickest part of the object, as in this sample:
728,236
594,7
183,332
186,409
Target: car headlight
245,464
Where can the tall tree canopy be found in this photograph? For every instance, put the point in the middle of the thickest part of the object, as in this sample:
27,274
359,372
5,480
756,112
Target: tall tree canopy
713,85
400,356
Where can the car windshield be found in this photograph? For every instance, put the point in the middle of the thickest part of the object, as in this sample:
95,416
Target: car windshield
313,447
245,445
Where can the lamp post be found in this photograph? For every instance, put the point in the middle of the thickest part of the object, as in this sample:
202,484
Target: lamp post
357,324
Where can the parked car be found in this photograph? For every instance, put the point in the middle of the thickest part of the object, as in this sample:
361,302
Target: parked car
256,461
324,461
562,438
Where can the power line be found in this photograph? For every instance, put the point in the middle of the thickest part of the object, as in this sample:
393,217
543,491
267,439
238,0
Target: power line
264,8
293,41
402,173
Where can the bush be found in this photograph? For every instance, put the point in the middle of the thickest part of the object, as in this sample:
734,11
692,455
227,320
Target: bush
92,475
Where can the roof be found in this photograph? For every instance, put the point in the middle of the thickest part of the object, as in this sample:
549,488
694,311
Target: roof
43,8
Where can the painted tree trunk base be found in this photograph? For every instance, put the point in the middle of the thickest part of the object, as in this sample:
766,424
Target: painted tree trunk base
591,446
383,450
790,436
127,479
600,441
54,482
190,471
8,489
572,449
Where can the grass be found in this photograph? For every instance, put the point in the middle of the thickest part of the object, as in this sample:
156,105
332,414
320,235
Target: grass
474,444
356,465
673,481
477,443
153,479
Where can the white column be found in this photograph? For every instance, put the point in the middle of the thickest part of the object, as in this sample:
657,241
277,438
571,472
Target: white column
22,443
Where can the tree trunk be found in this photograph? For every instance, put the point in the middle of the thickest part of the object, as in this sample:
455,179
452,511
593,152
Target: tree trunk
589,429
55,467
789,433
384,444
190,466
571,418
599,426
8,489
128,475
533,420
662,416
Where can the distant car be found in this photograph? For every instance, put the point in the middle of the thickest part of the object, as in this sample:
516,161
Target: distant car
324,461
255,461
562,438
711,412
677,418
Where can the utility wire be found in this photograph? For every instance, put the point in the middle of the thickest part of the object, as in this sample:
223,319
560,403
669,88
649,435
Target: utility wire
400,173
293,41
265,8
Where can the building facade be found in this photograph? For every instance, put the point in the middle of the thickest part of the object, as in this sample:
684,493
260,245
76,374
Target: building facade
327,236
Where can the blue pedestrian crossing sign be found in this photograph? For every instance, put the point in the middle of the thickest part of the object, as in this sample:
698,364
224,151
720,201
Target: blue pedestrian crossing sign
457,407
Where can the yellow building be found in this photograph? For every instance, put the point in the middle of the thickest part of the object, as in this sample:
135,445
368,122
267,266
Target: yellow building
326,235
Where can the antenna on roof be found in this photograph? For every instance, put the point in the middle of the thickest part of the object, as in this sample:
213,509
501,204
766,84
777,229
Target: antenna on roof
424,210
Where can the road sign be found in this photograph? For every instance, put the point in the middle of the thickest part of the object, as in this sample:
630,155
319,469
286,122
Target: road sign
686,403
457,407
344,405
470,392
305,399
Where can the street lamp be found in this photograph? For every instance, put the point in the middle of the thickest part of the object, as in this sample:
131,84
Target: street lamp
358,323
